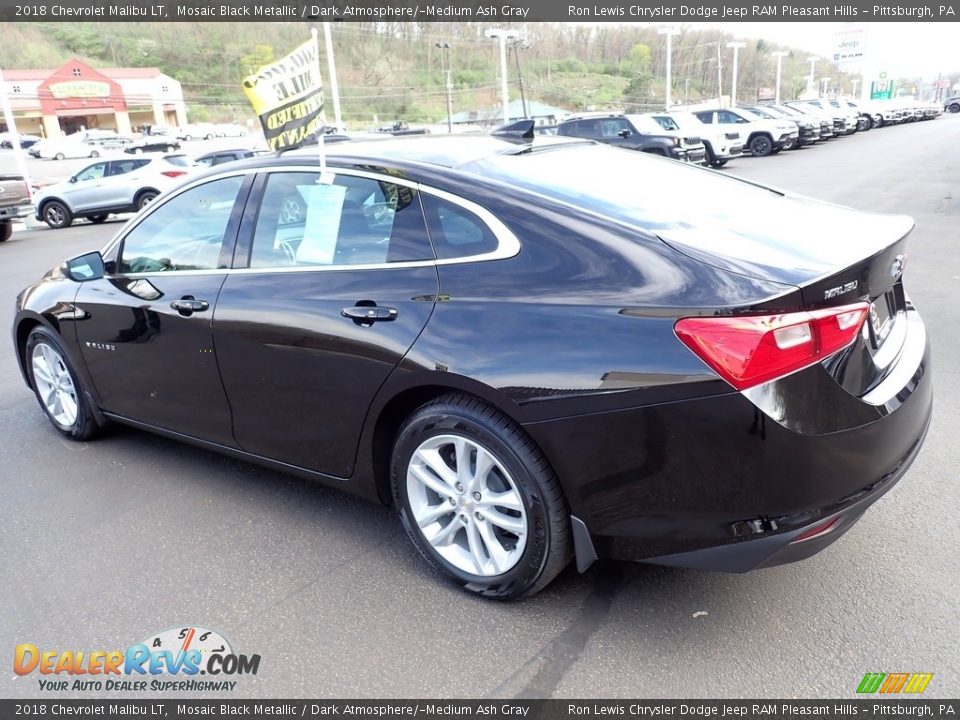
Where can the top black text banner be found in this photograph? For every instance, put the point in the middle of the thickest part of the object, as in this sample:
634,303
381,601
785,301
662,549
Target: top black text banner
665,11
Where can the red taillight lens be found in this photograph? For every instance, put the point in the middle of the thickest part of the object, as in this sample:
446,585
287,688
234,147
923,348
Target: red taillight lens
174,173
752,349
818,530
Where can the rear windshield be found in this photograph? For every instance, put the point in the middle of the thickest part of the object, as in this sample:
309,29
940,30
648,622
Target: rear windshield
686,205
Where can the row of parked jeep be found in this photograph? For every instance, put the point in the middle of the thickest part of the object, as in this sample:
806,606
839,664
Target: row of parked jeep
713,135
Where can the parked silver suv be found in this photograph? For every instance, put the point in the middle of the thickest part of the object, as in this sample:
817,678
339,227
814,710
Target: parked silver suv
109,186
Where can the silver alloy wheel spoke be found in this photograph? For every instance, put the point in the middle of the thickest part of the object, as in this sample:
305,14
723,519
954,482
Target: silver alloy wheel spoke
454,484
54,385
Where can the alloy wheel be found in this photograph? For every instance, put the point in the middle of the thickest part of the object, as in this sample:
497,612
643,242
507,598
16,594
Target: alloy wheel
55,385
54,215
466,505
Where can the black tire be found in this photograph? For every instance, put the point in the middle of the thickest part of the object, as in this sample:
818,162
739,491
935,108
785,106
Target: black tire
145,198
547,549
94,153
85,425
954,107
761,145
98,219
59,156
719,163
6,230
56,214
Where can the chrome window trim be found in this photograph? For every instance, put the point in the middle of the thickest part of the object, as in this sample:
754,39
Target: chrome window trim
508,245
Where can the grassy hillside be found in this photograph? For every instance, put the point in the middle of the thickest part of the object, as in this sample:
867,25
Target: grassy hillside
393,71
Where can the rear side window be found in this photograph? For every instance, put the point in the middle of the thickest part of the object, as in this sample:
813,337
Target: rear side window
455,231
354,221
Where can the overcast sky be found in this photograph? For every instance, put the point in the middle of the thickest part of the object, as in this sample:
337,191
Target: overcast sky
898,48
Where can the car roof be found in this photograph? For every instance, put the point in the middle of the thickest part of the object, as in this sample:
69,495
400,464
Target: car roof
450,151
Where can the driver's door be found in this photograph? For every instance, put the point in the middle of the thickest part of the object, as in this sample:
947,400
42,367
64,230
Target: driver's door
146,330
85,189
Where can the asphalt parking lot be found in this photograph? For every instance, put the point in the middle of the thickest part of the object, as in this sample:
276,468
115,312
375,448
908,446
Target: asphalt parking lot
109,542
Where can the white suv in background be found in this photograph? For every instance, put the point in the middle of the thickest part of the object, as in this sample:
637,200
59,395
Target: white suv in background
763,136
721,143
109,186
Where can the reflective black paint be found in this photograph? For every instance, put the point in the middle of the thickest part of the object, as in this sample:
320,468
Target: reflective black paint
573,338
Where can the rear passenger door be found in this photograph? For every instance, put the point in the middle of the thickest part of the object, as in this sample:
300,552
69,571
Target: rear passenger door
331,286
118,185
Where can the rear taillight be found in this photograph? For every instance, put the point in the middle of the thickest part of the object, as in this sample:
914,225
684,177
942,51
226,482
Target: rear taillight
174,173
752,349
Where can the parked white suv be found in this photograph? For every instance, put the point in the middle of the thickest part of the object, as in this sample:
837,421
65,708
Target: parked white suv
109,186
763,136
721,143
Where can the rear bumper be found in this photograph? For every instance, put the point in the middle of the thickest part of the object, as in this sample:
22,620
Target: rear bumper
14,213
730,483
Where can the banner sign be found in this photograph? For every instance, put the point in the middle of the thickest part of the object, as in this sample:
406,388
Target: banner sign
287,96
850,44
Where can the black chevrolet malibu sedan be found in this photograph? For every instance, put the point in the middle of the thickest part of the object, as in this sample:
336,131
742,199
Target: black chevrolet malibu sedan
535,351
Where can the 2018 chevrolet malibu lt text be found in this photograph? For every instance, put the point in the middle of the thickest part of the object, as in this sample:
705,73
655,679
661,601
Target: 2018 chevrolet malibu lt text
534,351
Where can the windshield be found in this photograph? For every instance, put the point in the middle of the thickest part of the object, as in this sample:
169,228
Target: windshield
644,124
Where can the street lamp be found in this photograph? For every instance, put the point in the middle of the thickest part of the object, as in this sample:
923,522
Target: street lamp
445,67
779,55
669,32
503,36
736,45
813,63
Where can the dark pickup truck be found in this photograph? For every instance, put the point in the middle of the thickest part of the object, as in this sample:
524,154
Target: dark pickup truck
14,203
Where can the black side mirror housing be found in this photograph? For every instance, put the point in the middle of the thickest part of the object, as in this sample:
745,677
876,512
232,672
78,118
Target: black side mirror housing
73,179
83,267
624,133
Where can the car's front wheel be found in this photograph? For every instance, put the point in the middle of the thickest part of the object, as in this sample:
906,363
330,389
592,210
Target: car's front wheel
954,107
57,215
761,146
6,231
98,219
57,387
479,500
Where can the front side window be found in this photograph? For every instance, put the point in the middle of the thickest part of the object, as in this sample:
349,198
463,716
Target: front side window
184,233
354,221
122,167
94,172
614,126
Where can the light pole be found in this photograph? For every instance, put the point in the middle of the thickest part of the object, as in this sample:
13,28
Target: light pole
445,67
736,45
519,44
855,81
669,32
334,90
503,36
813,63
779,55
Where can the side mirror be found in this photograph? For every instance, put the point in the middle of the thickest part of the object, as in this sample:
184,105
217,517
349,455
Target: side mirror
73,179
624,133
84,267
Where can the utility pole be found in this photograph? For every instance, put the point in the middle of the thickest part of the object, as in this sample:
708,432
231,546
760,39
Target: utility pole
813,63
669,32
14,135
856,81
517,44
503,36
736,45
719,75
332,69
779,55
445,67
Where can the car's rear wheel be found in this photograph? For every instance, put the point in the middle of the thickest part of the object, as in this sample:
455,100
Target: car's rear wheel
94,153
59,156
138,151
171,148
97,219
145,198
57,215
6,230
954,107
57,387
478,498
761,146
